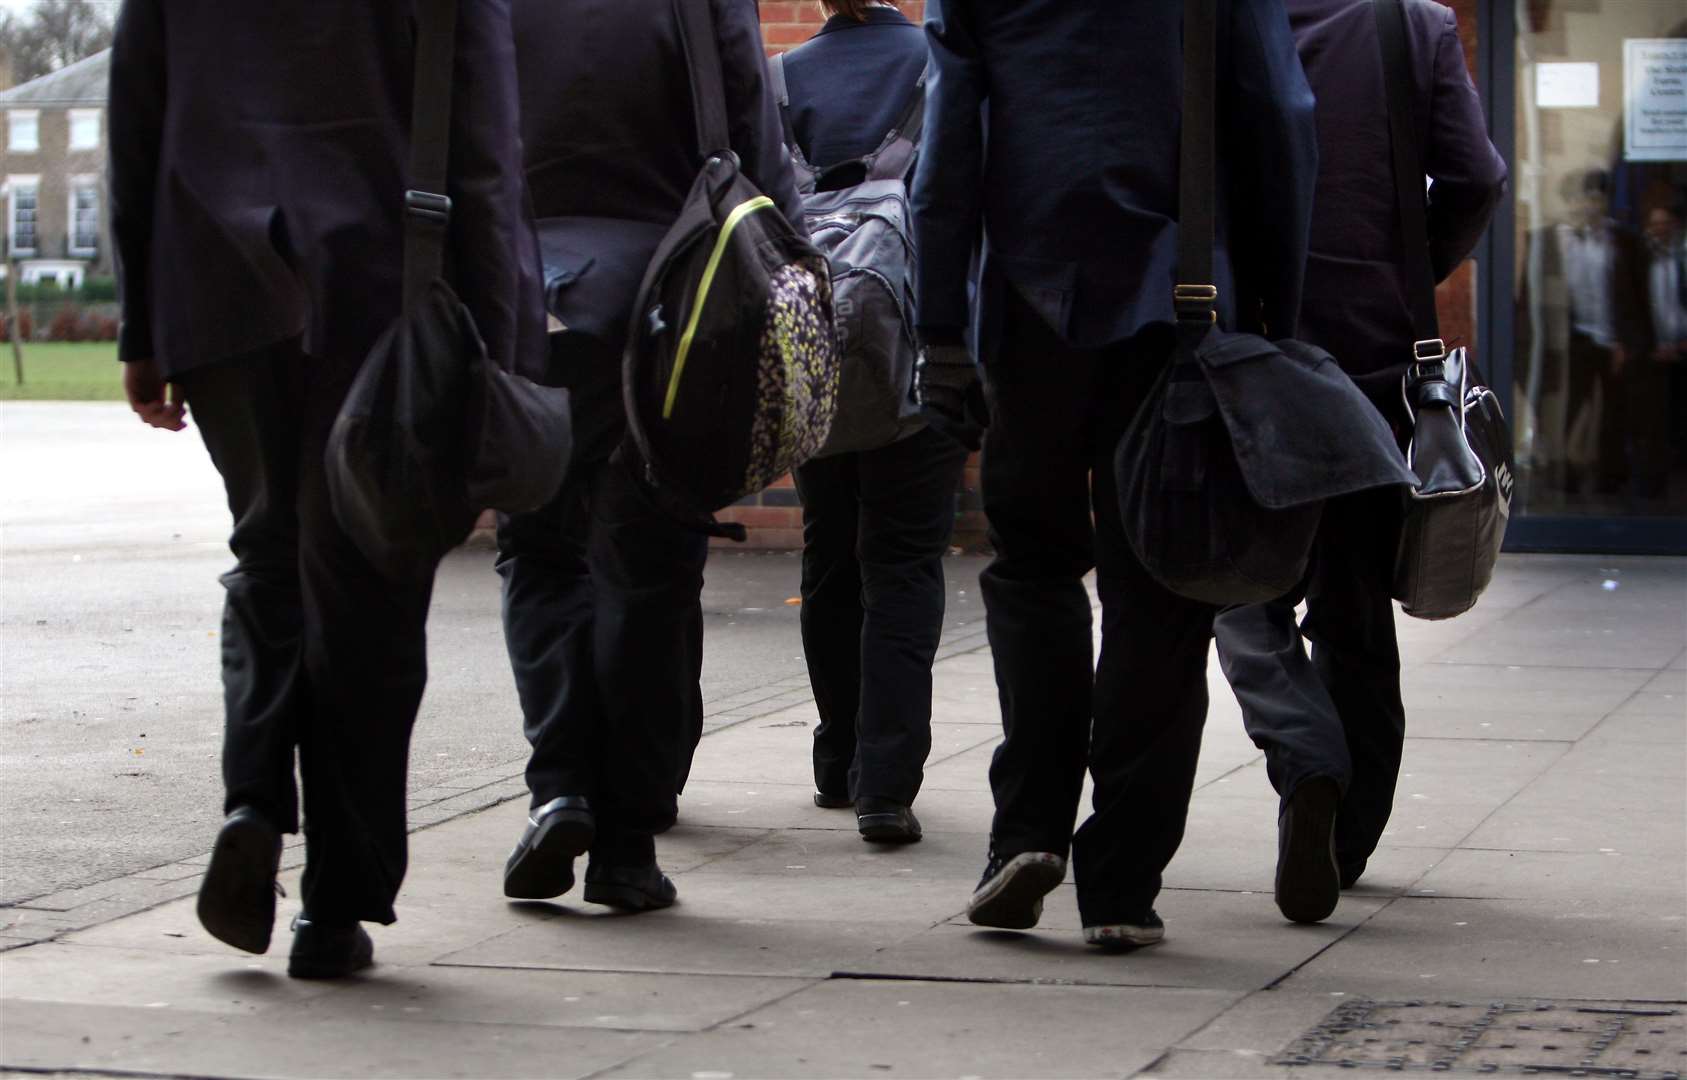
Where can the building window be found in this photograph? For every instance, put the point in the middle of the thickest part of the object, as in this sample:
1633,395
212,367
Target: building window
23,206
24,131
84,129
84,216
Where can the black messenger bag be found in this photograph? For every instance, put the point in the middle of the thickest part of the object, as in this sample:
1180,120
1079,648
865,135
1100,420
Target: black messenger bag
1223,473
432,431
1461,447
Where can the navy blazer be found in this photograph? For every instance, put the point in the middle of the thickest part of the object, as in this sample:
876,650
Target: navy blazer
258,171
1053,125
851,83
606,115
1356,303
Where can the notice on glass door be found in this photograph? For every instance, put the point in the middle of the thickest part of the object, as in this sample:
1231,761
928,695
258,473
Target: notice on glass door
1655,99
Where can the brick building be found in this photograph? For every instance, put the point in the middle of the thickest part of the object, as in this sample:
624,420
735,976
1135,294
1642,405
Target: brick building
53,161
774,518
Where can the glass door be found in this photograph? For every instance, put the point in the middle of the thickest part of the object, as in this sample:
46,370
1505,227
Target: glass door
1593,320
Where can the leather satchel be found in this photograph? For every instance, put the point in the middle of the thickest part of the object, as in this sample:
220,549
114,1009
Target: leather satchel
1223,473
432,431
1460,448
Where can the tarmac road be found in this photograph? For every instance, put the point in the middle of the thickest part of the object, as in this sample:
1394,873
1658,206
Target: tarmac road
111,539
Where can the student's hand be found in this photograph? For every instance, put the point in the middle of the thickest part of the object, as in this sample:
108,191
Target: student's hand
156,402
951,394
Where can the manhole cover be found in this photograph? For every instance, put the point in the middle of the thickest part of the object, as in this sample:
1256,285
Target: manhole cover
1547,1038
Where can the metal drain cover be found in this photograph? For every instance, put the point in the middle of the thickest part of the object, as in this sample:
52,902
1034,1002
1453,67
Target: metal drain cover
1542,1038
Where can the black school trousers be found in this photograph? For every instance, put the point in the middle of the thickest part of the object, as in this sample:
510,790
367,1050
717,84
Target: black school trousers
603,621
875,527
321,653
1337,713
1133,715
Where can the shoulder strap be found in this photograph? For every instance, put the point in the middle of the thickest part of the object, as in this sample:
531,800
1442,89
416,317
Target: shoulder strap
1196,295
1408,166
806,174
427,208
708,78
893,156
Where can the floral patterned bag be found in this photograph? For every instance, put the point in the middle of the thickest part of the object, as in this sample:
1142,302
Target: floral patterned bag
730,375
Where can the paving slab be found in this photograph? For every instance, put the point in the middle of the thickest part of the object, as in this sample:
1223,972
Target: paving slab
616,1001
149,979
1460,949
920,1029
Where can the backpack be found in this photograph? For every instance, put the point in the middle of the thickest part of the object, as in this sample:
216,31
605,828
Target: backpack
730,375
857,215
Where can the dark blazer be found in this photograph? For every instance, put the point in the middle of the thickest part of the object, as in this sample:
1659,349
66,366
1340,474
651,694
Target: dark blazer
258,171
606,115
851,83
1356,293
1054,125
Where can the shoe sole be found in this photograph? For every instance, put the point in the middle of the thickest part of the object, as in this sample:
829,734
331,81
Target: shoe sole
1308,882
1013,899
625,897
546,869
885,829
237,898
1124,936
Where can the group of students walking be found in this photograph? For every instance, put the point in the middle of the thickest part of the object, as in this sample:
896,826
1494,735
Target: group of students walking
258,192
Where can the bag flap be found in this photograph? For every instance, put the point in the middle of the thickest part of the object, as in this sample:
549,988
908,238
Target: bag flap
1302,431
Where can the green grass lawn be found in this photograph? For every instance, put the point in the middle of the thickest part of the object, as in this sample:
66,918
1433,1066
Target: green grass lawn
62,371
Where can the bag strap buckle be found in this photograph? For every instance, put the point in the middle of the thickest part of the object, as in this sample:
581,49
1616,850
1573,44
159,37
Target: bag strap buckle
1195,303
1428,361
428,207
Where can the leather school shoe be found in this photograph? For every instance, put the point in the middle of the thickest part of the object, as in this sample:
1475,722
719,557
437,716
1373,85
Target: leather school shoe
630,888
1308,881
827,801
1132,933
328,951
542,864
237,897
886,821
1010,894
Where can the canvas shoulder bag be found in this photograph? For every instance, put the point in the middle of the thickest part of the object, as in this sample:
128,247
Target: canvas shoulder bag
1223,473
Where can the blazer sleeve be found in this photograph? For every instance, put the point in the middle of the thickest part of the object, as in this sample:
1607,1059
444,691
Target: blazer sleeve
947,197
1273,163
1468,175
135,118
758,136
495,255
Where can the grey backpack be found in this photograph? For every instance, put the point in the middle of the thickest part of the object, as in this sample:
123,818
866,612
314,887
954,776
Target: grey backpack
857,215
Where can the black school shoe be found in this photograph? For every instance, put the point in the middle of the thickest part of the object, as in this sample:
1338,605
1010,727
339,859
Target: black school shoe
328,951
886,821
630,888
237,897
542,864
830,801
1308,880
1010,894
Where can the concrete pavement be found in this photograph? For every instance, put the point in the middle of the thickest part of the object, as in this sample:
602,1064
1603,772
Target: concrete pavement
1528,908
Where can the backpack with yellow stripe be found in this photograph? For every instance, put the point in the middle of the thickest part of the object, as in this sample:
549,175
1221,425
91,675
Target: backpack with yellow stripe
731,370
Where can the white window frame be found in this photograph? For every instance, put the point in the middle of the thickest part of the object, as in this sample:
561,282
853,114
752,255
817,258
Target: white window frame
85,115
13,183
12,118
77,182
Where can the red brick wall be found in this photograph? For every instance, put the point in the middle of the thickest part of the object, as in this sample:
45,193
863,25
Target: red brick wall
785,23
774,518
